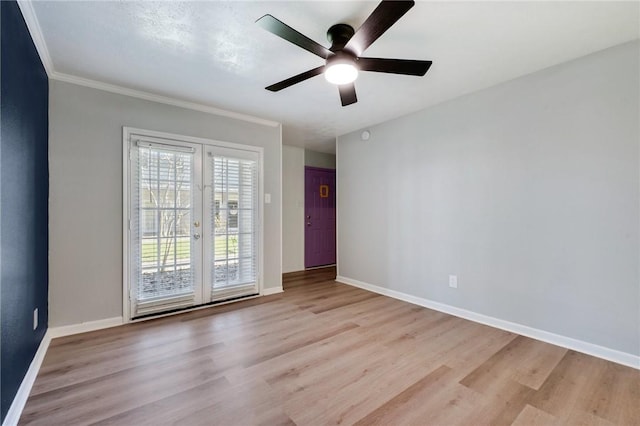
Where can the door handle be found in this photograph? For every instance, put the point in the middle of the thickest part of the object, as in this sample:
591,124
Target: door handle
308,223
196,236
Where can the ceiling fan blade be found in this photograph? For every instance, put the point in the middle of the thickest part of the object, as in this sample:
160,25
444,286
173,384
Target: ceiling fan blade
348,94
284,31
394,66
380,20
295,79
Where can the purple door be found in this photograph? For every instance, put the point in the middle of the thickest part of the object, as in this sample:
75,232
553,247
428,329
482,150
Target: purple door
320,217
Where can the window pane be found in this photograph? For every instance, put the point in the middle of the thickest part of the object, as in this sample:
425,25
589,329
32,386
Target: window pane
163,223
235,192
245,221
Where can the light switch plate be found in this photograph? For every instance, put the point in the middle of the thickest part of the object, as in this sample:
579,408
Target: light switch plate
267,198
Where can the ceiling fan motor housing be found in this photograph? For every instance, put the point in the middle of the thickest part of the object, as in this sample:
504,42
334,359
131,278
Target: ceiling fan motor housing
342,57
338,35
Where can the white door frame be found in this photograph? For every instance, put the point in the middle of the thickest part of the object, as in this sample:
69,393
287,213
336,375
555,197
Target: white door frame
127,134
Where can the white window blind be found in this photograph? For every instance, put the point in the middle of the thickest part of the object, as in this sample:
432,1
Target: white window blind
234,208
160,226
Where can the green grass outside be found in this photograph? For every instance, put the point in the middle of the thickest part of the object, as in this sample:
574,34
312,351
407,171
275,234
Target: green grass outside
150,248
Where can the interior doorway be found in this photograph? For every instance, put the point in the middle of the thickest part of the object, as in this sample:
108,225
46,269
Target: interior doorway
320,217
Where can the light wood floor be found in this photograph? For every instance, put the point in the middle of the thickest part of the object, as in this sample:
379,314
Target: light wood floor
324,353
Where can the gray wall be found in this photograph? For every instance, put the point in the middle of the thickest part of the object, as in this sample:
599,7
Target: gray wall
85,201
528,191
292,208
319,159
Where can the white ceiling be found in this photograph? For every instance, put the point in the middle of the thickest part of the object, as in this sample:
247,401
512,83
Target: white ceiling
212,53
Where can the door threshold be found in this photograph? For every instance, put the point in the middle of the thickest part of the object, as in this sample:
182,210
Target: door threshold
193,308
313,268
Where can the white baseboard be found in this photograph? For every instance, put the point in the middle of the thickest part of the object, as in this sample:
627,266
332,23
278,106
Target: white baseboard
613,355
19,401
83,327
271,290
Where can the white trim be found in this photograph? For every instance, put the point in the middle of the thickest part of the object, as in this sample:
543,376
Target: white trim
94,84
126,219
83,327
127,134
33,26
262,213
271,290
337,189
613,355
19,401
281,205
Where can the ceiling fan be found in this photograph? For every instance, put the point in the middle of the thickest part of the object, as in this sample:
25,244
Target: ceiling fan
343,60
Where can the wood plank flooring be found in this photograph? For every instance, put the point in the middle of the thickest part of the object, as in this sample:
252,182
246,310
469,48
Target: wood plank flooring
324,353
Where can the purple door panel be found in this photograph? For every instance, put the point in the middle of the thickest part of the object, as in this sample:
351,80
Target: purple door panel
320,217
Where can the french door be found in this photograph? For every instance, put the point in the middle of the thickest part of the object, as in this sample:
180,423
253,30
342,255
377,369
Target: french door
193,222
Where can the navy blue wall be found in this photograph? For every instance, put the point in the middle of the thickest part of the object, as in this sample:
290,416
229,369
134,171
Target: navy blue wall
24,190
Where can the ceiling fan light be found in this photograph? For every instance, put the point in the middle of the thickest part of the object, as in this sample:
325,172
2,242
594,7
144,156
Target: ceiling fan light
341,73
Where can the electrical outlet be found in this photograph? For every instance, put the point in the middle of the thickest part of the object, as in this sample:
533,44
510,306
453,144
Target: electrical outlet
453,281
35,318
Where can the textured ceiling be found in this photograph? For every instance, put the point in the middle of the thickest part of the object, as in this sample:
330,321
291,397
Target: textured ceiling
212,53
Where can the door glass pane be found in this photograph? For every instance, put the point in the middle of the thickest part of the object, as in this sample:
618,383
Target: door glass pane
234,222
163,223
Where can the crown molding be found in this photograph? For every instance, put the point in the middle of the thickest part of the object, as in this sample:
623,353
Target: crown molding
30,18
80,81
